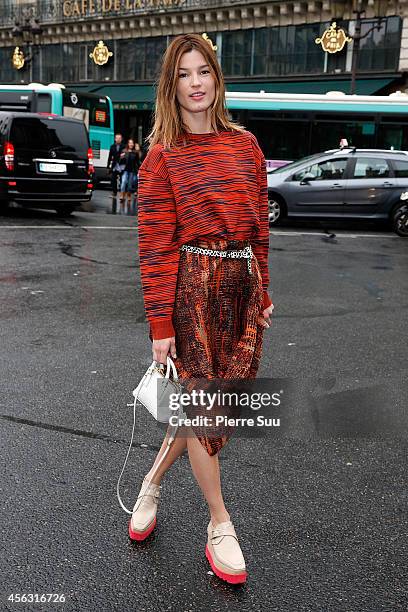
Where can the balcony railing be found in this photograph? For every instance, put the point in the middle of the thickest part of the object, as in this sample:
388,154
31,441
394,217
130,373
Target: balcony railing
65,11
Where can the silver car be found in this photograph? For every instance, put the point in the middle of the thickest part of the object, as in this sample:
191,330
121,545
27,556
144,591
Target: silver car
343,183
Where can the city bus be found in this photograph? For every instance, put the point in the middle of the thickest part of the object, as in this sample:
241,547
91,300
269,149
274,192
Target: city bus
291,126
94,110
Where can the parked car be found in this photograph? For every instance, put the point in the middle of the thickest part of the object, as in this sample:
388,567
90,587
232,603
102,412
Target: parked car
45,161
343,183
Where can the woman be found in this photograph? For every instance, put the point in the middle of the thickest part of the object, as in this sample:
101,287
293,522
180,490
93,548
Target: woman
139,152
130,159
201,184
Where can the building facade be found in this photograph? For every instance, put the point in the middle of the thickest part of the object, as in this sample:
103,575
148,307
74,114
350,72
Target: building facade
260,45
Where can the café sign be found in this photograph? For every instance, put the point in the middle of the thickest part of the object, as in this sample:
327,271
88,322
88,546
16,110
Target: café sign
333,39
18,59
101,54
94,8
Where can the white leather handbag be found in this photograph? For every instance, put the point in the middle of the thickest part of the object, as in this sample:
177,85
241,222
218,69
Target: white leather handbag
153,392
155,388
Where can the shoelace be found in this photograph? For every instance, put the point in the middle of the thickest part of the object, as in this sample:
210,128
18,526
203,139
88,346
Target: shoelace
216,533
141,499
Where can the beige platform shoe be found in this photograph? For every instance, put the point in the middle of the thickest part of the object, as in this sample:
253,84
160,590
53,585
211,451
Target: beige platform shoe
224,553
143,519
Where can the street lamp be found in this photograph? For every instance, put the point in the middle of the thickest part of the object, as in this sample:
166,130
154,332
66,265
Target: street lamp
358,7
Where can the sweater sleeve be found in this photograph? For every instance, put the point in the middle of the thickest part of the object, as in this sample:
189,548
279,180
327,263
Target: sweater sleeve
158,248
260,244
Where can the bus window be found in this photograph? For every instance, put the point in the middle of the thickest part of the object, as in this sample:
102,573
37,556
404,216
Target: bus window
77,113
393,136
43,103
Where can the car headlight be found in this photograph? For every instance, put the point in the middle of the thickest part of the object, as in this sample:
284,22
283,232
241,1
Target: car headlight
404,195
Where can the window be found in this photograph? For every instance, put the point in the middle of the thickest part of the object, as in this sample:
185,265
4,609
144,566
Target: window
43,103
139,59
371,167
328,170
92,111
400,168
284,50
43,134
327,134
8,74
393,135
380,49
236,52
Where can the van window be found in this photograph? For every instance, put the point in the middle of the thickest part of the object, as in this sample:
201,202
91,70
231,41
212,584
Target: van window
32,133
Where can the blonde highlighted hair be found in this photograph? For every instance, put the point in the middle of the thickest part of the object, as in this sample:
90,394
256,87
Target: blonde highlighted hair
168,124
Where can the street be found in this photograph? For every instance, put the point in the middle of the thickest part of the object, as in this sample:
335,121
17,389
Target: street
322,519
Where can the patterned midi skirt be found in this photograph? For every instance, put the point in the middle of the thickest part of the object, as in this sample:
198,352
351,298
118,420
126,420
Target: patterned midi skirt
216,320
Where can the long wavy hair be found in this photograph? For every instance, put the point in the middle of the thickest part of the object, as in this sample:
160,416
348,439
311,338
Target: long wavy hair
168,125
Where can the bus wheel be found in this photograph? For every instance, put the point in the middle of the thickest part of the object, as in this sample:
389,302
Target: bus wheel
276,208
399,220
65,210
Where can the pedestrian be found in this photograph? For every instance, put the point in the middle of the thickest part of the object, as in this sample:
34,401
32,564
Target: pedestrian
130,160
114,165
202,185
139,163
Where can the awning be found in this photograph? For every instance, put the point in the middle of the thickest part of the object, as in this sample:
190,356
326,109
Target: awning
141,97
125,97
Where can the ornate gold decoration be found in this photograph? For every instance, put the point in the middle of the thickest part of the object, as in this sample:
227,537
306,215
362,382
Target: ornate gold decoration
332,39
101,54
205,36
18,59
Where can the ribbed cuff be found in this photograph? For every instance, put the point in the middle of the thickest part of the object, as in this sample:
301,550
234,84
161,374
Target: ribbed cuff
266,300
161,329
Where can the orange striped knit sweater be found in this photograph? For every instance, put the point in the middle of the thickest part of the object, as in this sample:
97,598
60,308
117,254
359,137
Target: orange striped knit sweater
214,187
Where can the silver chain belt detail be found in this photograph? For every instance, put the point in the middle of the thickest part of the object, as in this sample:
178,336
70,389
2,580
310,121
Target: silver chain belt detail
246,253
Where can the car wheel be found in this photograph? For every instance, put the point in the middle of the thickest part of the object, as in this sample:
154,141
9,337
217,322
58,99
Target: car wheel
275,209
400,220
65,210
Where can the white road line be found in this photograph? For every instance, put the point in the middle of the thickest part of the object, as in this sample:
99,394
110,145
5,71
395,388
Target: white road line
276,233
66,227
272,232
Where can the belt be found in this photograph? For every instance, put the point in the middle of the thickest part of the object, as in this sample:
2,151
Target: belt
245,253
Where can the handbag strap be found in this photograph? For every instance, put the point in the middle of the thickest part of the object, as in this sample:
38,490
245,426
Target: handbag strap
172,435
170,366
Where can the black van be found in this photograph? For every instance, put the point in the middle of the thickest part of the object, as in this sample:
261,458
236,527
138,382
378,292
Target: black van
45,161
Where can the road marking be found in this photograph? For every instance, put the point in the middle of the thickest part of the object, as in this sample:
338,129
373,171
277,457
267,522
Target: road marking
66,227
272,232
277,233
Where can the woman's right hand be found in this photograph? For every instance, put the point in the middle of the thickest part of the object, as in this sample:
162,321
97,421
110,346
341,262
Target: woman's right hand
161,348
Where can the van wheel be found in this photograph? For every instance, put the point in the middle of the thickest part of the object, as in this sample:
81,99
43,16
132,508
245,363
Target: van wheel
65,211
399,220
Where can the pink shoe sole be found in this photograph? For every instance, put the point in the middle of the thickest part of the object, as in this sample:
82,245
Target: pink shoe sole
139,537
231,578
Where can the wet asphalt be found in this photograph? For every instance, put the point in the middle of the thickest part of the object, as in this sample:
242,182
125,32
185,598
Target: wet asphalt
321,510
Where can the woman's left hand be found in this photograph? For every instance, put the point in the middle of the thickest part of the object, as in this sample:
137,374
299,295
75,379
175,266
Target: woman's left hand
265,317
